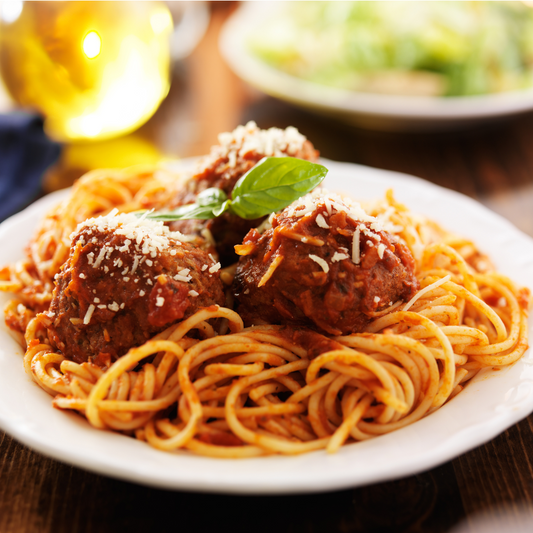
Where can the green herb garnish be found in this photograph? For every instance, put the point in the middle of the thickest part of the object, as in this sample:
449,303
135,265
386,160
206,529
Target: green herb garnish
271,185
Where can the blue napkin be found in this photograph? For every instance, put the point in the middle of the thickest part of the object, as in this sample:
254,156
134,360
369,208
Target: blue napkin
25,153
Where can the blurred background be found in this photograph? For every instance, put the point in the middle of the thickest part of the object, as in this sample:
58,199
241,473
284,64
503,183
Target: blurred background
439,90
398,85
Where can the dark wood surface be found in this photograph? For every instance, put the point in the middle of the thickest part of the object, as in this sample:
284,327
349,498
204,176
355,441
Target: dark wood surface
492,163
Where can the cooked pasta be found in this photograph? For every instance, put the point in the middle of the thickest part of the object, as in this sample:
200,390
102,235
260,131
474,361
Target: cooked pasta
210,385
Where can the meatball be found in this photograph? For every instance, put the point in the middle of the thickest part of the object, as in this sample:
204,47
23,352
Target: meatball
324,263
125,280
236,154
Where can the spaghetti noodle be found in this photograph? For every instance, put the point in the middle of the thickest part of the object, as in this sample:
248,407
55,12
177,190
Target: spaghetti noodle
212,386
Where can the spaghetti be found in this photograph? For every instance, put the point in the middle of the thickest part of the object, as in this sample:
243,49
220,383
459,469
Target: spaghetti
212,386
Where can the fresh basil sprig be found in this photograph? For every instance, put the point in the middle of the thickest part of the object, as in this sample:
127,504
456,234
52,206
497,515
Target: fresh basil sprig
271,185
207,202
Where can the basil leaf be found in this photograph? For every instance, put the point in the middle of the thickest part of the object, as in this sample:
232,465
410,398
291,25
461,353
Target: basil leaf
185,212
209,204
226,206
211,196
273,184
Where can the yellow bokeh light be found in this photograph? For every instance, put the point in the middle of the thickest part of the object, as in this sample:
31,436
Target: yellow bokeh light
160,21
10,11
94,69
92,44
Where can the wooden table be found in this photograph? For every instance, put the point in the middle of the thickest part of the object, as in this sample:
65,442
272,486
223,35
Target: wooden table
492,163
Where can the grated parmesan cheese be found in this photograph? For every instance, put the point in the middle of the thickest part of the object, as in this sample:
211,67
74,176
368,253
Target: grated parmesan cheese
89,314
323,264
337,256
321,222
160,301
147,237
135,263
356,252
214,268
273,142
100,257
332,202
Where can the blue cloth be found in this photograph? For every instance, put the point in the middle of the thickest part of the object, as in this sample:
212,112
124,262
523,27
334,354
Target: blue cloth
25,153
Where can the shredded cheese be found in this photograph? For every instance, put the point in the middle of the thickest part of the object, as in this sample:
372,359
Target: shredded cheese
89,314
271,269
356,252
425,290
215,268
323,264
321,222
148,237
337,256
273,142
332,202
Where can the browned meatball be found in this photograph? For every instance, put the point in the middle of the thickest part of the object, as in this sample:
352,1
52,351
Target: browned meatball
324,263
124,281
228,161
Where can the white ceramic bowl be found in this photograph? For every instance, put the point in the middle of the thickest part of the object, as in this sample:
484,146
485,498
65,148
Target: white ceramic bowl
376,111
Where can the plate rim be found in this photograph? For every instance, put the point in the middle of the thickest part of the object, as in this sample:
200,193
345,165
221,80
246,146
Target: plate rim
309,94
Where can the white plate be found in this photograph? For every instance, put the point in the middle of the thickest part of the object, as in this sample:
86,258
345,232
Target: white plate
487,406
387,112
